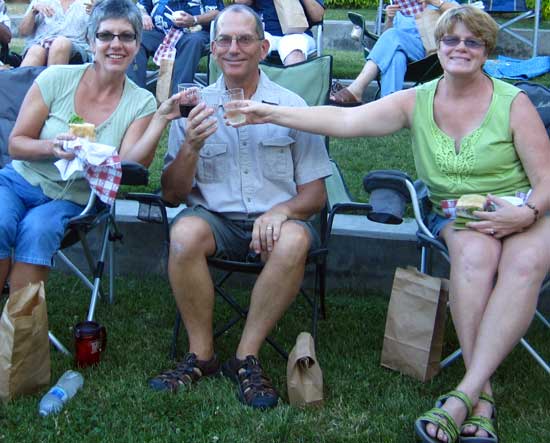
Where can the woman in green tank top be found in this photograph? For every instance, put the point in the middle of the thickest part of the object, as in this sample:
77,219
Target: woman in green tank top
471,134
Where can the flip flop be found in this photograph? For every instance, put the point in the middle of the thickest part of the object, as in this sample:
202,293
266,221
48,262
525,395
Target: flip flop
442,419
484,423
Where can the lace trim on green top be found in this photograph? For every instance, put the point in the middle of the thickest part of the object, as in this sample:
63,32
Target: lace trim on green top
457,168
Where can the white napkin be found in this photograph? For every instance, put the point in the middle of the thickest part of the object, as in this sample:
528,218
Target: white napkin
86,153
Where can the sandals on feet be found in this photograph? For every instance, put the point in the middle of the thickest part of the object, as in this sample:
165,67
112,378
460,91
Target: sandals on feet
442,419
190,370
480,422
254,388
341,96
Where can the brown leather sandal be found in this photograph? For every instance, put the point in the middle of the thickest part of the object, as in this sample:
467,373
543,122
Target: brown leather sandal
341,96
189,371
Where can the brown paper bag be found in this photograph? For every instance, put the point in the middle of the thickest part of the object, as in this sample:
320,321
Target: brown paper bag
164,81
24,345
291,16
304,377
413,340
425,22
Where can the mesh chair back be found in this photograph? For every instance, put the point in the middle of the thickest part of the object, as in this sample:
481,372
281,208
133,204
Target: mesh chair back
14,84
540,96
310,79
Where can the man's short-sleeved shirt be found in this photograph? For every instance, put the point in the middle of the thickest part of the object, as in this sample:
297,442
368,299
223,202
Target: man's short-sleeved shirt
250,169
161,10
268,13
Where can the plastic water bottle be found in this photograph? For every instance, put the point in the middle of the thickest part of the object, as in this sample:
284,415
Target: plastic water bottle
61,393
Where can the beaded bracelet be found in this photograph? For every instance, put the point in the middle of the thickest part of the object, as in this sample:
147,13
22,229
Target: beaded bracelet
535,210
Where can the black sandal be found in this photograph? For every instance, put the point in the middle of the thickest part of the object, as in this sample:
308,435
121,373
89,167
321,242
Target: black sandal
189,371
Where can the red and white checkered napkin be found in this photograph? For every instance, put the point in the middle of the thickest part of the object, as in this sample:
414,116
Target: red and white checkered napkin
410,7
167,49
100,164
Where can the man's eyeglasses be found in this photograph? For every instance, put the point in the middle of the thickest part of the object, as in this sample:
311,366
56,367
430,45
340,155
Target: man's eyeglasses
470,43
244,41
124,37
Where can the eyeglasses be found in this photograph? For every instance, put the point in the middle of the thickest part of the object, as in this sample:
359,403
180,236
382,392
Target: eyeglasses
124,37
246,40
470,43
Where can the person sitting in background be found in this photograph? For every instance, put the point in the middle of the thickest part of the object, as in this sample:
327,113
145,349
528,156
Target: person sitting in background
5,33
56,33
160,19
35,203
399,43
470,134
250,194
292,48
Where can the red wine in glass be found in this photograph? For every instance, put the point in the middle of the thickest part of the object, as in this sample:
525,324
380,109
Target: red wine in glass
185,110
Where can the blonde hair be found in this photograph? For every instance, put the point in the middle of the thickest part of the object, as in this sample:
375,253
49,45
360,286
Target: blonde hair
476,20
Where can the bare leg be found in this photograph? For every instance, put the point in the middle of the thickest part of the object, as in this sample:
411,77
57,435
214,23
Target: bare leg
294,57
35,56
60,51
524,262
191,241
24,273
368,73
276,287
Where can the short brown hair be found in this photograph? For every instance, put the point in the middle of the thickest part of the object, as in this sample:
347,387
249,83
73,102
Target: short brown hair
476,20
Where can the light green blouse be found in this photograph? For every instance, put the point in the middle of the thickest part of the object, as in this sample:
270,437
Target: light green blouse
58,85
487,161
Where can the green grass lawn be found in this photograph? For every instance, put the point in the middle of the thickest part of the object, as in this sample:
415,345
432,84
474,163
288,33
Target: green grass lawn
364,402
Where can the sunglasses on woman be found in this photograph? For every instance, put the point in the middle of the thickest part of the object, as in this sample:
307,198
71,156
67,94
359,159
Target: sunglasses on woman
470,43
124,37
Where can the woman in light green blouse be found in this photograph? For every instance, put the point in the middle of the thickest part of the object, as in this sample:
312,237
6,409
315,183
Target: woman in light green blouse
35,203
470,134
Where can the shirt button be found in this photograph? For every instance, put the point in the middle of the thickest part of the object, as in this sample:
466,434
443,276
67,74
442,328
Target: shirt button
246,171
248,199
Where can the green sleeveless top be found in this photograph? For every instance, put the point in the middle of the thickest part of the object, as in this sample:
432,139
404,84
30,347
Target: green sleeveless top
487,161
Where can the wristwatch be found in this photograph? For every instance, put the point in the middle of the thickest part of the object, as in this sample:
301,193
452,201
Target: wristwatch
196,22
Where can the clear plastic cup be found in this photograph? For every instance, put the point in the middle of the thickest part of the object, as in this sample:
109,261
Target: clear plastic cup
232,101
212,99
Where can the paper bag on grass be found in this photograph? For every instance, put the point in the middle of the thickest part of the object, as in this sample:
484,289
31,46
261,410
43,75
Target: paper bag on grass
291,16
164,81
413,339
24,345
304,377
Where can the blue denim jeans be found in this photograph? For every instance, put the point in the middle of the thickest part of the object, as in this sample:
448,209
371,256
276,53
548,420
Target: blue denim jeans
31,223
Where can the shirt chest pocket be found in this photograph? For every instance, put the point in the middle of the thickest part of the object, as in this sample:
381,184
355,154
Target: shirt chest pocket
276,158
212,165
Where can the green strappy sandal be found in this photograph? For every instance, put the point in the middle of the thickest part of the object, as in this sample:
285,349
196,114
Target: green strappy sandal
487,424
442,419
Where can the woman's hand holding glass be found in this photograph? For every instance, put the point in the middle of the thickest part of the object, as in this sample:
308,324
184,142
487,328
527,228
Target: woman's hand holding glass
255,113
508,218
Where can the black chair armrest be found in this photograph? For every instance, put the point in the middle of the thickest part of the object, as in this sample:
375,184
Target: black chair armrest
134,174
345,208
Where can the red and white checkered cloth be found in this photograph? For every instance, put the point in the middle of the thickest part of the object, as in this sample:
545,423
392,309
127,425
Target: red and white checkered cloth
167,49
104,179
100,164
410,7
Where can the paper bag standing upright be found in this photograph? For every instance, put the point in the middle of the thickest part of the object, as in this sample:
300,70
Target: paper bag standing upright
24,344
304,377
292,16
164,81
415,323
425,22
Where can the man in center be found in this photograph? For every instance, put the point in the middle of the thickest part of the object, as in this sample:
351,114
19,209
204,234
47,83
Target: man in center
248,189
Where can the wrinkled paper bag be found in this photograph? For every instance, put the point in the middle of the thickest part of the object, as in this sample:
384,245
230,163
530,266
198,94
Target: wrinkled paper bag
304,377
164,81
425,23
415,323
24,345
291,16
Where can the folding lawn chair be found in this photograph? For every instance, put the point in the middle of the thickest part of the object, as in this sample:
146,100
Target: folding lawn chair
14,84
310,79
520,11
418,72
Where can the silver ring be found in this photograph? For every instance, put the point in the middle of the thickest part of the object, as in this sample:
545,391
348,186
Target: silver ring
269,228
492,232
